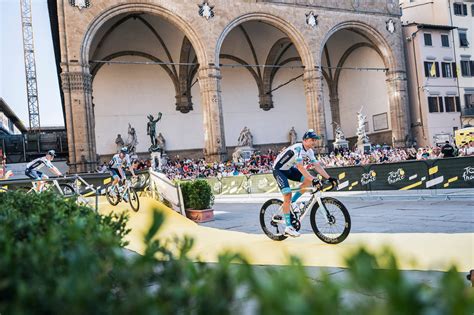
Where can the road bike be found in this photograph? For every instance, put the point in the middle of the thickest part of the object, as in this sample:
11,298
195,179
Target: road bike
50,185
329,218
126,192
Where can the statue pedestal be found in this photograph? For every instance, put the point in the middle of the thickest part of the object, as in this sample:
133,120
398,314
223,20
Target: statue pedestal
341,144
364,147
245,152
156,160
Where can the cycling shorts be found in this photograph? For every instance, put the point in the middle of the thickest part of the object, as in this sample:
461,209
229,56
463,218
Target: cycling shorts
282,177
114,172
34,174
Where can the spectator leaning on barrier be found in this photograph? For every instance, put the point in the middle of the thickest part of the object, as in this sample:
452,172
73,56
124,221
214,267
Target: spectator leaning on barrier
4,174
470,149
448,150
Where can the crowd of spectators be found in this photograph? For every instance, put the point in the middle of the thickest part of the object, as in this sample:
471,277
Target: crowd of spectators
260,163
189,169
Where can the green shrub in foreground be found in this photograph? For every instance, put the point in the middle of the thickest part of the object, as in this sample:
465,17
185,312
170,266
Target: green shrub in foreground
59,258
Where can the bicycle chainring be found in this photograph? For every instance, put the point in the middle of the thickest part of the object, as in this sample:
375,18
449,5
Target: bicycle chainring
295,222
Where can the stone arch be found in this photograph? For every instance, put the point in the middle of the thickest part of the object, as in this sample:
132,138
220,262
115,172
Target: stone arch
287,28
395,73
370,33
153,9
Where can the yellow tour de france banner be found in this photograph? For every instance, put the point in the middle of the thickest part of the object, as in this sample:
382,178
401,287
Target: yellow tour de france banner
429,174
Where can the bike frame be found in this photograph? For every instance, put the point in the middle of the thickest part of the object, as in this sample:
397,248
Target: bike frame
46,185
316,197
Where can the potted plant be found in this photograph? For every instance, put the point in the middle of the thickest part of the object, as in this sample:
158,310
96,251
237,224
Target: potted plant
198,199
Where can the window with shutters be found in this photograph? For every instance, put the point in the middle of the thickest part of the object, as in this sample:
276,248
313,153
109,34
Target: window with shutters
435,104
431,69
466,68
444,40
446,70
463,42
469,100
460,8
450,104
428,40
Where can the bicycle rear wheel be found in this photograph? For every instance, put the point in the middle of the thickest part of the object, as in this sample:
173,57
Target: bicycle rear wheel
112,195
334,227
133,199
272,220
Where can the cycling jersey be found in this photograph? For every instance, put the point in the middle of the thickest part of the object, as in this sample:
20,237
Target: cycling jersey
293,155
38,163
118,162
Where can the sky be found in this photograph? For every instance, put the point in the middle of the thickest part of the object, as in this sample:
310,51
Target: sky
12,67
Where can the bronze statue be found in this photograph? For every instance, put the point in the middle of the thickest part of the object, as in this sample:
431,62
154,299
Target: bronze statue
151,131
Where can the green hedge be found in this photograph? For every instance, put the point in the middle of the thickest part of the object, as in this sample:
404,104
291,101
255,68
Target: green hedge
197,194
60,258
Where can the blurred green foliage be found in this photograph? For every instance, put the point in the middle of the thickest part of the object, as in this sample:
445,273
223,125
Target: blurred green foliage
61,258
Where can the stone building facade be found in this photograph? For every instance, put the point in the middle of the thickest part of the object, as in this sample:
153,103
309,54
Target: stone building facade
196,48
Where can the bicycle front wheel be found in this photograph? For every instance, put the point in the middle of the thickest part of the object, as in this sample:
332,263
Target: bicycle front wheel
112,195
67,190
334,226
133,199
272,220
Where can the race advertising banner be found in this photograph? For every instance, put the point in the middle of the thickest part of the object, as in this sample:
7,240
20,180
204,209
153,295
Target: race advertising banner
428,174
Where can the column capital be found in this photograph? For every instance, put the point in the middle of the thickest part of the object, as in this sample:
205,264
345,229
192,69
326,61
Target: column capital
396,75
209,72
76,81
312,74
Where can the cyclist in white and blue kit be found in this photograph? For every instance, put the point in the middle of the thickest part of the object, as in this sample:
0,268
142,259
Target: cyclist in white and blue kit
289,165
117,164
33,168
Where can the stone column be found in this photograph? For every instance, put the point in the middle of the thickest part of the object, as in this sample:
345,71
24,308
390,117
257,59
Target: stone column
399,111
214,139
334,104
313,80
80,126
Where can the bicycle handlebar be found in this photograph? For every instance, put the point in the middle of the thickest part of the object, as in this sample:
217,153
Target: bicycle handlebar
320,183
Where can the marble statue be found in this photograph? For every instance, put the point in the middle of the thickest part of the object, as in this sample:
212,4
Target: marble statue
292,136
362,137
119,142
245,138
132,140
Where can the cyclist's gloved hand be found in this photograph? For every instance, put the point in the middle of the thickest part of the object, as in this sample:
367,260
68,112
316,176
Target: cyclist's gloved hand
316,182
333,181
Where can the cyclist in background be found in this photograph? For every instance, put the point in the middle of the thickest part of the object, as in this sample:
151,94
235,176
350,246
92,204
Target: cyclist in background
117,164
288,165
32,168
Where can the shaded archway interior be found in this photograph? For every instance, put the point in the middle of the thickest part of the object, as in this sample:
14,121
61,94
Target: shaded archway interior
181,66
260,59
349,90
127,91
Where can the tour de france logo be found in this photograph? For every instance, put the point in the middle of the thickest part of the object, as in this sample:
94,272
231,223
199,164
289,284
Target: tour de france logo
468,174
368,177
262,183
396,176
